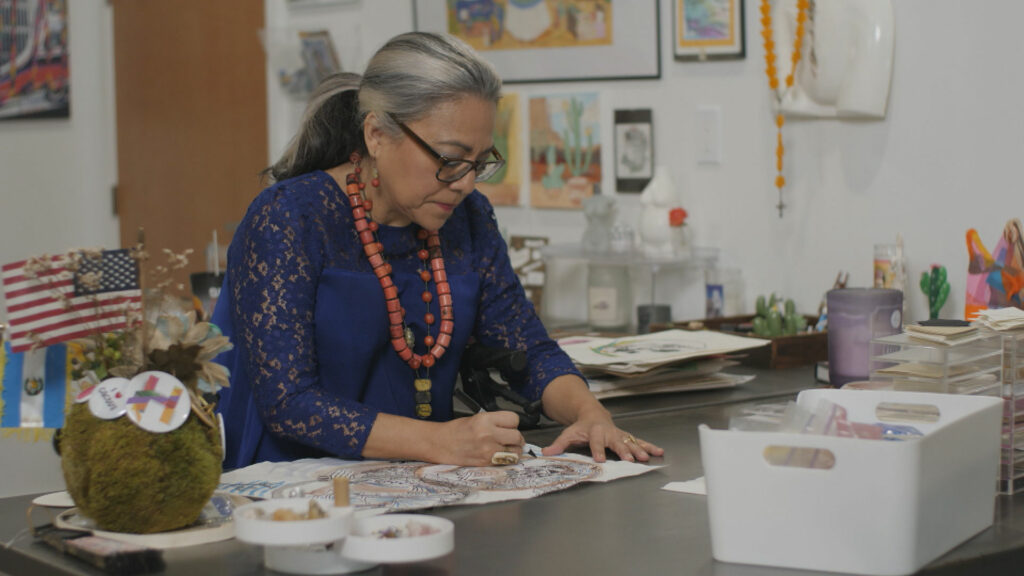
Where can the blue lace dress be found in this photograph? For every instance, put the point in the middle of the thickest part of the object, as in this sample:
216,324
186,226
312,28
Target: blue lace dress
312,363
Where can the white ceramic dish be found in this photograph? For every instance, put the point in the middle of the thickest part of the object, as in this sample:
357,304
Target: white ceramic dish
214,525
55,500
253,524
366,544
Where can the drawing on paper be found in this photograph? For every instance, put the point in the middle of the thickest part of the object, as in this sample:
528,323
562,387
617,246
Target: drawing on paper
517,24
707,20
394,486
390,485
628,348
537,475
503,188
565,149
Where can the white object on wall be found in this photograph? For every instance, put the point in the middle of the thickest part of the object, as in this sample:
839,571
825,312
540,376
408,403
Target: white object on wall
847,63
657,199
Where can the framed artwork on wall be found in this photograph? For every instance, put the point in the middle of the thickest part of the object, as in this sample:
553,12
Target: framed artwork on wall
565,149
318,54
503,188
708,29
634,149
553,40
34,76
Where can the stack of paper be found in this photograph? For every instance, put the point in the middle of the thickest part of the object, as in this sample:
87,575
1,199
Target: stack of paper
1002,318
951,335
667,361
641,353
701,374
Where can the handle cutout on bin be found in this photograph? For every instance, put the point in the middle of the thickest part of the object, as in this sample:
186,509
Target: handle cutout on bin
800,457
902,412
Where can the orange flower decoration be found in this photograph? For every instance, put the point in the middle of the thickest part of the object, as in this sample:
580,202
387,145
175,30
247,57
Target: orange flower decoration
677,217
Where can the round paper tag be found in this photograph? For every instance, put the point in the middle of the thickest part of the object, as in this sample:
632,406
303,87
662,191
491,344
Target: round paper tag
108,399
158,402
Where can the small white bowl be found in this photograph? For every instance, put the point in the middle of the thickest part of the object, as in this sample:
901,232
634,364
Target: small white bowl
254,524
365,543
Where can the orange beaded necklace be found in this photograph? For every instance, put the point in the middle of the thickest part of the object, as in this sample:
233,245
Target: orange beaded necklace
773,78
402,339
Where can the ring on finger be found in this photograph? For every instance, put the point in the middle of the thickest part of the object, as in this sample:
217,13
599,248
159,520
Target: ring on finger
502,458
629,439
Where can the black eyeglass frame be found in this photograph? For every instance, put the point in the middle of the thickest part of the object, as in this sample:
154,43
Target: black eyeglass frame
474,165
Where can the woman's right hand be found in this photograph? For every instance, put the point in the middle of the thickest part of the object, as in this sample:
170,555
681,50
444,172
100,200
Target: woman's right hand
473,440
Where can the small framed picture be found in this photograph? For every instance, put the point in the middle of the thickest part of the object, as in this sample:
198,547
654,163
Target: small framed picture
634,149
318,54
708,29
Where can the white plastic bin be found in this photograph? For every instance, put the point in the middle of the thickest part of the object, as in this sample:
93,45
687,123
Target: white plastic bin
885,507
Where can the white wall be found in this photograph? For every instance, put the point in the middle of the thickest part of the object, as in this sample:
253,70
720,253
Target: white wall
945,159
941,162
55,195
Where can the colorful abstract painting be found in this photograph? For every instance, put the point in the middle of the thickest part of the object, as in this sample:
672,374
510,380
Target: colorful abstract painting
996,279
503,188
34,79
565,149
514,24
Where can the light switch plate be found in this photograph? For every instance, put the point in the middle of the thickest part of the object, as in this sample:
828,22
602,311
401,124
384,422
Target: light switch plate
709,135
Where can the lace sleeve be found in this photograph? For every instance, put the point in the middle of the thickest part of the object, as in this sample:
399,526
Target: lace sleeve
506,317
273,278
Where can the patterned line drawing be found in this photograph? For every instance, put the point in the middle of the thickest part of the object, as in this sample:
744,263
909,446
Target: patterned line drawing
536,475
390,485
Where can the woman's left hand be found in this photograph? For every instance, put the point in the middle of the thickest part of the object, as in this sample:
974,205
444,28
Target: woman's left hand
596,428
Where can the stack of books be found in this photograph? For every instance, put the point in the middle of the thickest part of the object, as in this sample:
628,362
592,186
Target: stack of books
669,361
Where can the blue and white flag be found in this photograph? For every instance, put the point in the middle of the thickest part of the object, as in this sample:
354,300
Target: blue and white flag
34,387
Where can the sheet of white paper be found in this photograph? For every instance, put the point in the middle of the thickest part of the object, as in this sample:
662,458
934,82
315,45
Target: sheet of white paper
417,485
655,349
695,486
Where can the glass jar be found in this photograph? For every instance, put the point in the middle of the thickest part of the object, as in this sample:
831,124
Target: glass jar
609,299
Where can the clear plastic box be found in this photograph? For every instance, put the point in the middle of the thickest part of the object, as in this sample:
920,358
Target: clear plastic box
884,507
1011,469
916,365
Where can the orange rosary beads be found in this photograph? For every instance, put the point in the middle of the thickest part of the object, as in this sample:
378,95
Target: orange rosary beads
773,78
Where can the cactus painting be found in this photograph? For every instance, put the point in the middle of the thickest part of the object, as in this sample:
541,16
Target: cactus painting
565,149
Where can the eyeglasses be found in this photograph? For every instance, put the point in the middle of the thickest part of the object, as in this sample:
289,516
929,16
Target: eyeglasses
455,169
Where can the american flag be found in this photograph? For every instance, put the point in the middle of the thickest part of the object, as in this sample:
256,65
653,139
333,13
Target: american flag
51,303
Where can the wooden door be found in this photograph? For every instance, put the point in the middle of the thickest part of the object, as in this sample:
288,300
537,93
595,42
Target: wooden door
191,120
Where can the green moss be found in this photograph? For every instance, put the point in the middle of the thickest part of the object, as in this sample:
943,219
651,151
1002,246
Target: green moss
131,480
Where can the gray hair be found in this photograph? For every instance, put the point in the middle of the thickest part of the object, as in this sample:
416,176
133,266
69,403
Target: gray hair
407,78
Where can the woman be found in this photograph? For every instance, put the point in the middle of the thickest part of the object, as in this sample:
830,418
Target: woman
357,279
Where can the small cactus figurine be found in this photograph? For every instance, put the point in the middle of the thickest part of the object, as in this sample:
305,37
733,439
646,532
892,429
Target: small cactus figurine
777,318
935,286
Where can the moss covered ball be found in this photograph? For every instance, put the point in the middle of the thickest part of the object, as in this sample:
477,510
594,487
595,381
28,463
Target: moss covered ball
129,480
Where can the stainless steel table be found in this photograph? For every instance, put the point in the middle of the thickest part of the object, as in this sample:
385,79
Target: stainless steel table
629,526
